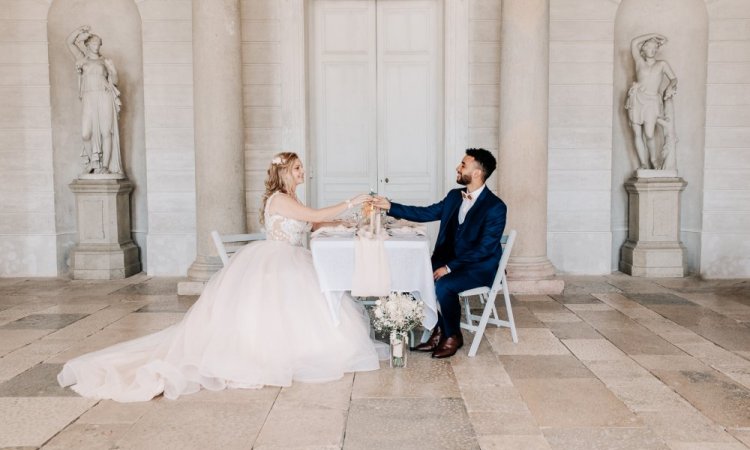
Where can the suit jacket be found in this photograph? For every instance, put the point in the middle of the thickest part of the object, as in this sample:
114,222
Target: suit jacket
475,246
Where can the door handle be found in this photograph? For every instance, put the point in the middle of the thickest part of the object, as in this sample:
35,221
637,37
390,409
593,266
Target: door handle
386,180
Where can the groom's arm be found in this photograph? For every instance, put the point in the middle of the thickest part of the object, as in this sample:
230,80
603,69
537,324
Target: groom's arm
489,243
417,213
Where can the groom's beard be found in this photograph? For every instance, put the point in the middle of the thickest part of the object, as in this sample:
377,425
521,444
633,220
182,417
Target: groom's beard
463,180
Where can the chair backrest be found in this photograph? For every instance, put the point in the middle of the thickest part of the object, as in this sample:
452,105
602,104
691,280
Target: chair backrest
507,243
228,244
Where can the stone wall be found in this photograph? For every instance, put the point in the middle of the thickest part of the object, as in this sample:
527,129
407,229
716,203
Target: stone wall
28,241
580,135
261,79
726,196
170,155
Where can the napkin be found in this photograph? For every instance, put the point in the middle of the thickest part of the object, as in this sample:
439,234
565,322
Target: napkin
405,227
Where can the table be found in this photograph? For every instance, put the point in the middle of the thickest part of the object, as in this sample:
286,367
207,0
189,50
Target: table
408,259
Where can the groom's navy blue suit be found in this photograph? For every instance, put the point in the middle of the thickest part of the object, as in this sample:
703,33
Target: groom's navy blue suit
471,250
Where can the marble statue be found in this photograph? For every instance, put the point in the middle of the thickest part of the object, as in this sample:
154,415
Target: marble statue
100,98
649,105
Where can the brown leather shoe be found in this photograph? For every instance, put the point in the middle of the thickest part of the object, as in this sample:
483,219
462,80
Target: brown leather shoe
432,343
449,346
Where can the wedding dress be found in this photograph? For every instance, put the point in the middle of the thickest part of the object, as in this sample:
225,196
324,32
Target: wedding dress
261,320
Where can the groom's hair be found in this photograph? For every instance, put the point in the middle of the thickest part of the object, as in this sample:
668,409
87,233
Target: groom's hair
485,160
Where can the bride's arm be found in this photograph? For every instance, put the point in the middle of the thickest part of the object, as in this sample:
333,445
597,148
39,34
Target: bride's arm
286,206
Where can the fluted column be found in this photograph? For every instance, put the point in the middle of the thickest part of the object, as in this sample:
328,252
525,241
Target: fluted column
217,103
524,109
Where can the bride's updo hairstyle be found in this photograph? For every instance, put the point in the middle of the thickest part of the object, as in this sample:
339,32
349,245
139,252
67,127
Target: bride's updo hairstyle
277,180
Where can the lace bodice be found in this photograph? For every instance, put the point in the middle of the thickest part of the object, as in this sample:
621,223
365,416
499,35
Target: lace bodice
280,228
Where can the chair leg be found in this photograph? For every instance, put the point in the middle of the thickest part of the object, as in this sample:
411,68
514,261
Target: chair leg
512,321
467,310
480,328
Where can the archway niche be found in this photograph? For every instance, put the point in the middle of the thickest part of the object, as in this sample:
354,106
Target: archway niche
685,24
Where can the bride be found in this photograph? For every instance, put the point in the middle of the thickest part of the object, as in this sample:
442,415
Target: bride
260,321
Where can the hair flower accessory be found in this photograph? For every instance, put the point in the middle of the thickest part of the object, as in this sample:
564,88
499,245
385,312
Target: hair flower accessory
277,161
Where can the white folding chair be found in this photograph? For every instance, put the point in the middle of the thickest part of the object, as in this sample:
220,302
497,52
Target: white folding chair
228,244
487,296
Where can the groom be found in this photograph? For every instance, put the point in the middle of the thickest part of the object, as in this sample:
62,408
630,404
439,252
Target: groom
467,250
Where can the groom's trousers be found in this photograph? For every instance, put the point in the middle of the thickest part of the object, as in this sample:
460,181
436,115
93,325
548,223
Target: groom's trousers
446,290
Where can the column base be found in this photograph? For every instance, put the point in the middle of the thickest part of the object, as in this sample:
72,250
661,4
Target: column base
204,267
105,261
191,287
533,275
653,259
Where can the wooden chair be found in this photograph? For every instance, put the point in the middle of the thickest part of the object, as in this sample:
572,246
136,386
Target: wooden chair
228,244
487,296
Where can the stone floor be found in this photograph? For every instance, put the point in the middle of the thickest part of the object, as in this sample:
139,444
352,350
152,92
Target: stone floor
614,363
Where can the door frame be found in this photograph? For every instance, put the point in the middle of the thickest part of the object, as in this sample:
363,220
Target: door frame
294,16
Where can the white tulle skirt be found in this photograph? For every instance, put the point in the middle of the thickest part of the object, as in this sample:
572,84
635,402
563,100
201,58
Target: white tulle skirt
262,320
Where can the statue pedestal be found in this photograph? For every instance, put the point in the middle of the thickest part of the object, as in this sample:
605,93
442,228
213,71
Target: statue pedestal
105,249
653,248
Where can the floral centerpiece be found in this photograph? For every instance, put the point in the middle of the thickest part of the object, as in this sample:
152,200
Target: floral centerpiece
398,314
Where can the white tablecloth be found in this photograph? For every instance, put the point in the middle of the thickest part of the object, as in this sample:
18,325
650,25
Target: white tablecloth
408,258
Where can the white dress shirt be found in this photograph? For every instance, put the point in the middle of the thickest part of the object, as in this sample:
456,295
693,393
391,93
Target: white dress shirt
466,204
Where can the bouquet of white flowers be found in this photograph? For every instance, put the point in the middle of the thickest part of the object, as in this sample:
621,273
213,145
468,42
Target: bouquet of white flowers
397,313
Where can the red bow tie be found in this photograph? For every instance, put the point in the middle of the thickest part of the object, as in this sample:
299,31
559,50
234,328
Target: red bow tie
466,196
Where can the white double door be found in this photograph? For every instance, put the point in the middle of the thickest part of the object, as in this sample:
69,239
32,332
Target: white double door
376,99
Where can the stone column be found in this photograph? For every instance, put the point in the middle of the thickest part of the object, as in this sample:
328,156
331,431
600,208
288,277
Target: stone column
524,109
219,146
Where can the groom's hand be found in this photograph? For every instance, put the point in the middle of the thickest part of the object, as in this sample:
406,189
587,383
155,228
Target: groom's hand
439,273
381,202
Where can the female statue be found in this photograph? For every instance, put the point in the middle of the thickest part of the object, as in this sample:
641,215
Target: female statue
97,89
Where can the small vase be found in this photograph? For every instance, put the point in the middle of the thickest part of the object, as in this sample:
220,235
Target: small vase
399,349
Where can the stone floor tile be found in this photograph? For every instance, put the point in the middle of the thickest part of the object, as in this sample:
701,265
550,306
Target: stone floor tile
38,381
485,357
22,310
112,412
170,303
506,423
587,285
741,434
493,399
481,375
524,318
76,308
594,349
16,363
646,394
33,421
531,341
11,340
574,403
88,436
578,330
714,394
292,428
602,320
640,341
423,377
604,438
98,341
331,395
670,362
508,442
147,321
267,394
576,299
532,298
588,307
557,317
151,286
546,307
173,424
635,284
95,322
546,366
421,423
706,446
43,322
624,368
617,300
687,425
659,299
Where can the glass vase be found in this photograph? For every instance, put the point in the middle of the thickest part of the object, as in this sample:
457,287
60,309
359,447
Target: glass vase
399,348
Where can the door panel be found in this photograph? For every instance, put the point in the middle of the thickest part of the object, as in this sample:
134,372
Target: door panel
376,99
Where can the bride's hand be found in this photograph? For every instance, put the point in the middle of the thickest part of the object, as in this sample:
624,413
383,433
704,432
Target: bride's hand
362,198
